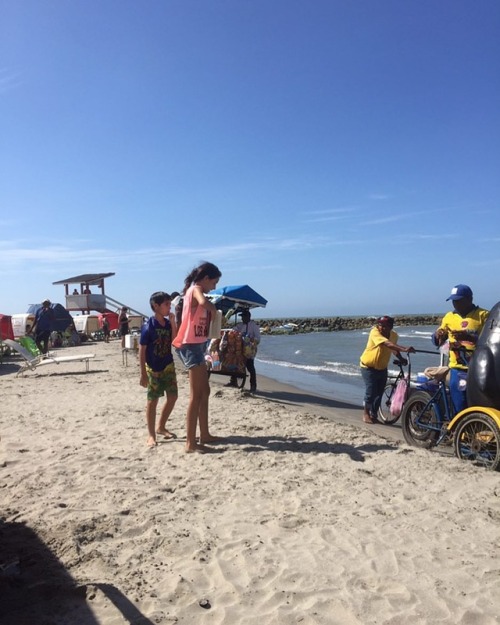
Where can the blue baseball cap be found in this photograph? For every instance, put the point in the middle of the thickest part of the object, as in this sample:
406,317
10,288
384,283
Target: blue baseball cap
460,291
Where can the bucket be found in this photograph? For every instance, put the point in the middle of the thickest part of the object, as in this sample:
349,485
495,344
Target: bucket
131,341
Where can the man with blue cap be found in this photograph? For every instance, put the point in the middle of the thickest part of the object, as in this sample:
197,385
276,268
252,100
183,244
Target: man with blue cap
461,328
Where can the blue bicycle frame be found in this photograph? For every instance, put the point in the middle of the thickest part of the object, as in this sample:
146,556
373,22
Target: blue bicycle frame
441,403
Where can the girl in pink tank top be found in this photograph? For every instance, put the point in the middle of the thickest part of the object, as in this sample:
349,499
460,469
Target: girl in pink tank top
190,344
195,318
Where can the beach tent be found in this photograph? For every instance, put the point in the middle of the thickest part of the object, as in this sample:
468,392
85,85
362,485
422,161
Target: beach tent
6,331
230,298
62,317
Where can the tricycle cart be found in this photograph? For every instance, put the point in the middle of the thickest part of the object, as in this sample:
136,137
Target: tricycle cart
429,419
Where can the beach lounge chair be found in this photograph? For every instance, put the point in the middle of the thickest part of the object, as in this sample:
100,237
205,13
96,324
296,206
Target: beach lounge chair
32,361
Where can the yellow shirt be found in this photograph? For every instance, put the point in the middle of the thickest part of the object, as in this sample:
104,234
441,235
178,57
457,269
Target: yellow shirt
472,323
376,354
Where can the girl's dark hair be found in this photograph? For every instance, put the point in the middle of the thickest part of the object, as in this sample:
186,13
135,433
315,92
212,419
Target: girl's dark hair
202,271
158,298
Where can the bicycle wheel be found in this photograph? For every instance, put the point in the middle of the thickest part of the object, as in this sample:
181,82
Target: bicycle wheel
418,419
477,438
384,411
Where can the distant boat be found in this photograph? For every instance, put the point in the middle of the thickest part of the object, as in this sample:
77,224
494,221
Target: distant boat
285,328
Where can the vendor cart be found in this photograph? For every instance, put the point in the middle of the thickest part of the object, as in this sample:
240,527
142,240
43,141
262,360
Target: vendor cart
225,356
228,354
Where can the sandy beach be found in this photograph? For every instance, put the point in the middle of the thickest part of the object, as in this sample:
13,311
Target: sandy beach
303,515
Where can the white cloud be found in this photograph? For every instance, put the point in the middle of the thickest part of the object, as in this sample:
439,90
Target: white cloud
21,255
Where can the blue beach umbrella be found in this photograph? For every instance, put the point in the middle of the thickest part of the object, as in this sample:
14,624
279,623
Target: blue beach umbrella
232,298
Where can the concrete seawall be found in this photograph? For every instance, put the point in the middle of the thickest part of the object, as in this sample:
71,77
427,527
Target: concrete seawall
336,324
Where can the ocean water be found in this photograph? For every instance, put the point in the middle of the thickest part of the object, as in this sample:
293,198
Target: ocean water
327,363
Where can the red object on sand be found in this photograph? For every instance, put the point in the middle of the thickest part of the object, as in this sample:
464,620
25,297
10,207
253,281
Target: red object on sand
6,331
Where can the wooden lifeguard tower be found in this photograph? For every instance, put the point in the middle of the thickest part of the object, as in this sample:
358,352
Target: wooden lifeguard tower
83,300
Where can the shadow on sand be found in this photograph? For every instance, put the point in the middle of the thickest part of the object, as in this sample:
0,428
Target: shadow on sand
301,445
299,398
35,587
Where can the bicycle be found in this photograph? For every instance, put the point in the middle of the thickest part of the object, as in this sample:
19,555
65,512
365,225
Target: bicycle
425,416
429,420
384,413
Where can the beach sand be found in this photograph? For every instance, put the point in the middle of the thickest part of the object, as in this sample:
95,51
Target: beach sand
302,516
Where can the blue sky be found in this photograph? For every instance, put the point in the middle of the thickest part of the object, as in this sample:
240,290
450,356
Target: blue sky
340,157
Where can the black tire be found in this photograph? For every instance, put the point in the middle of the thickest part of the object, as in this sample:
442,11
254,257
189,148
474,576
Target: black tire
419,434
477,438
384,411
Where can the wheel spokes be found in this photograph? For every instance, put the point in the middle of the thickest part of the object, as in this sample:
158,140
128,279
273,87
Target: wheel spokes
420,420
478,443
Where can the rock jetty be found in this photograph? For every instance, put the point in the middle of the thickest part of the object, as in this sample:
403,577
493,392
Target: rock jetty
336,324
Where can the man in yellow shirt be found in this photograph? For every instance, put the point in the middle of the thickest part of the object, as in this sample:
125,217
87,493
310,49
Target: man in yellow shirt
381,345
461,327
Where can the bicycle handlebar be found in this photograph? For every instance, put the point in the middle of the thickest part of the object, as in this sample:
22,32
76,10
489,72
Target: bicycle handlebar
407,355
425,351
